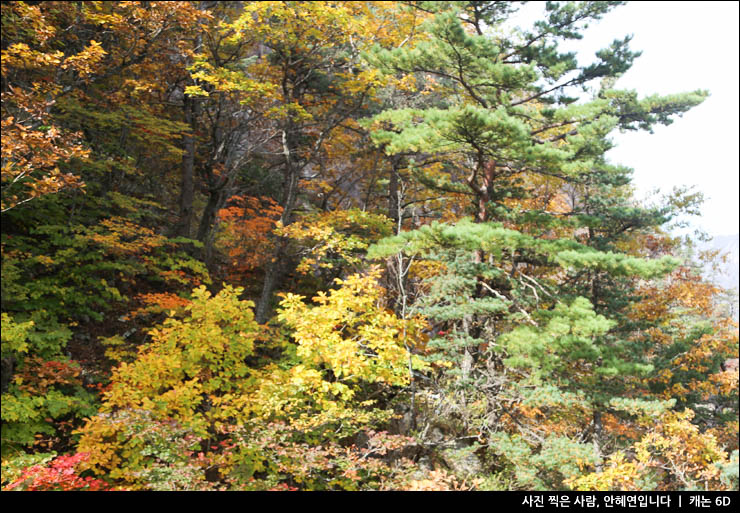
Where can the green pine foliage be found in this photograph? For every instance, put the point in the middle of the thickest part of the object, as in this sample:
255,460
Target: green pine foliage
466,293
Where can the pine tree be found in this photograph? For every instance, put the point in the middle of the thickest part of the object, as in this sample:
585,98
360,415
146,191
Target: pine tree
526,313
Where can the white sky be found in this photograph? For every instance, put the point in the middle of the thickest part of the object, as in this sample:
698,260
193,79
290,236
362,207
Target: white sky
685,46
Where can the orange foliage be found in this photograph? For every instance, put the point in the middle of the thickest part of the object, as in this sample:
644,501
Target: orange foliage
245,236
699,357
39,75
684,289
159,302
38,375
547,420
618,427
440,481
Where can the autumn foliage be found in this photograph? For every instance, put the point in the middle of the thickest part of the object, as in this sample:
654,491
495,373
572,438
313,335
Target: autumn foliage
59,475
344,246
245,237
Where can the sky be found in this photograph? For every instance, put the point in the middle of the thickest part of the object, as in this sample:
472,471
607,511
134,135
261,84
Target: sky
685,46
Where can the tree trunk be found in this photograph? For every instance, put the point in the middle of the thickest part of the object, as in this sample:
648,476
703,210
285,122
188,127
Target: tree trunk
209,222
187,190
483,196
209,215
393,192
597,440
273,271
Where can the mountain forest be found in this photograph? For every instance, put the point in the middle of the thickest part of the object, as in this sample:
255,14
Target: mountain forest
289,245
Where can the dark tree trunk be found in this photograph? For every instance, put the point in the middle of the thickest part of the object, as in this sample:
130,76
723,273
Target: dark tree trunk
393,212
484,192
483,197
598,427
273,273
274,268
209,214
7,365
187,190
207,221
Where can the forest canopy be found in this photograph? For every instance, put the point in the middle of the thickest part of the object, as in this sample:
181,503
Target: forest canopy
345,246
